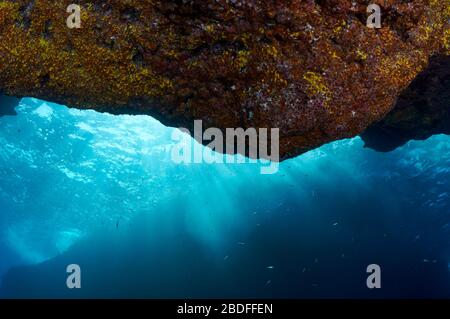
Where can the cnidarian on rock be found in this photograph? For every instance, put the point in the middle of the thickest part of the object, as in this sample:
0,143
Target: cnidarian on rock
313,69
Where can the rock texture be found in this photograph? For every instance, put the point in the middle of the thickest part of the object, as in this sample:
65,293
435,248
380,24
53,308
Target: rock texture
421,111
311,68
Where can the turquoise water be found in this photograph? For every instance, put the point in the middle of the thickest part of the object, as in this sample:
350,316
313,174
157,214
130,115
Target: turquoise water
102,191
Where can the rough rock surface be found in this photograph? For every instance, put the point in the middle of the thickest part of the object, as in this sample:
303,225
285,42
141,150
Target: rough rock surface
421,111
311,68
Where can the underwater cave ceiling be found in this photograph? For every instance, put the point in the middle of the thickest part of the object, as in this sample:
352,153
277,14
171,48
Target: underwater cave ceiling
313,69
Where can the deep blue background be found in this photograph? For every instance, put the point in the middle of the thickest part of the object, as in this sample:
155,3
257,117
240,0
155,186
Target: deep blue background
101,191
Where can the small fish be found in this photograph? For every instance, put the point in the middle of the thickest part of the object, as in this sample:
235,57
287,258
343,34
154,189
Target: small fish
225,258
270,267
335,224
241,243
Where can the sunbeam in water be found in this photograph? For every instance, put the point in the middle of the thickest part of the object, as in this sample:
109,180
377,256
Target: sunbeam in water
102,191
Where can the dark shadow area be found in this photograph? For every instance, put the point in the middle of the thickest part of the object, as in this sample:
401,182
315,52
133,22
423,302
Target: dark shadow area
422,110
8,105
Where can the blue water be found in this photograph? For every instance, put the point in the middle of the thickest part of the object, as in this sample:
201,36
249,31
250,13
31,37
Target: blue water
102,191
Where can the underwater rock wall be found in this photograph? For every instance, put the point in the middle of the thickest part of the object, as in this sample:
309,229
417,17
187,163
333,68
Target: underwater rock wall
421,111
313,69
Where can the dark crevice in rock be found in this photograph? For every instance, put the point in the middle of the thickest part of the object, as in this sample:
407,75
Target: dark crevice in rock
43,80
47,34
130,15
421,111
138,57
25,14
